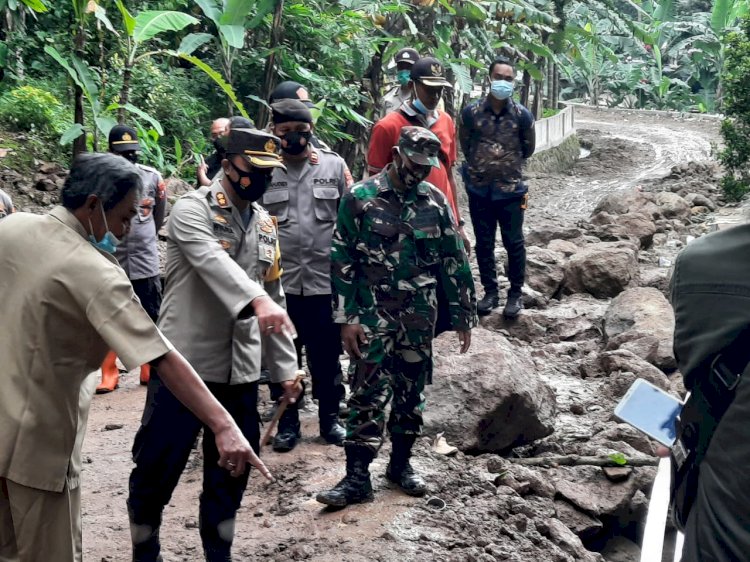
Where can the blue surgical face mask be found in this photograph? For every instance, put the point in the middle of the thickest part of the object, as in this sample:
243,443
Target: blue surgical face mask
109,241
501,89
419,106
403,77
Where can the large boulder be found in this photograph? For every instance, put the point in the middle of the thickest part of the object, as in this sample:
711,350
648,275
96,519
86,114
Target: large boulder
641,320
547,229
603,270
672,206
587,488
625,361
628,201
544,270
489,400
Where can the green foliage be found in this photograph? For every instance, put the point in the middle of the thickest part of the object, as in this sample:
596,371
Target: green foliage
618,458
736,128
30,109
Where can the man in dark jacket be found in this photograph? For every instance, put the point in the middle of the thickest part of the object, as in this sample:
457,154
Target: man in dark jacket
711,299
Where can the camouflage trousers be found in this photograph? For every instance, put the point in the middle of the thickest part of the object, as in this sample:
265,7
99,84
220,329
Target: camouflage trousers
395,364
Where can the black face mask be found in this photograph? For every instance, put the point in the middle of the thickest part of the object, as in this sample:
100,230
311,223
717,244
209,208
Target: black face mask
412,178
131,157
218,145
296,142
251,185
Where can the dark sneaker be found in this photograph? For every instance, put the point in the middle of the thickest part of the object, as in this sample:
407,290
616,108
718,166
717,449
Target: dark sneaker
487,303
513,306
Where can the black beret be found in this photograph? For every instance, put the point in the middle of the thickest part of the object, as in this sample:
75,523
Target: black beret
290,110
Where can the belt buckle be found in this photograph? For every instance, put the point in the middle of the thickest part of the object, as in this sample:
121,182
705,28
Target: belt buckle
728,378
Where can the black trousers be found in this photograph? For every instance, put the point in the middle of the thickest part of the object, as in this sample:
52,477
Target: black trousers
486,215
148,291
312,315
161,450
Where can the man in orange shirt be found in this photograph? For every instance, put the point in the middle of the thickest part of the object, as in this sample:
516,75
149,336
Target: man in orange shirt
427,83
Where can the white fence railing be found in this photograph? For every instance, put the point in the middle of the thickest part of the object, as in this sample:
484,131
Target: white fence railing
553,130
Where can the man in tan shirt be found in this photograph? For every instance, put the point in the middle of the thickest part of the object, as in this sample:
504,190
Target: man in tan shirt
65,303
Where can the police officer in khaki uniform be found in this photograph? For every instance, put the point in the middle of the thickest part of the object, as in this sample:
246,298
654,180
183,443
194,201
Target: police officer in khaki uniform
68,303
401,92
138,254
304,199
222,263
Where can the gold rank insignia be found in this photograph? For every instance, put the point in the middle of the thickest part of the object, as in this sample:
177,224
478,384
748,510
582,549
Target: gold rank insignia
221,199
220,219
126,137
435,70
225,244
270,146
314,158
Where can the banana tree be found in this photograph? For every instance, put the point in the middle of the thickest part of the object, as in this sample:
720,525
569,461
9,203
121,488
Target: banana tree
231,21
86,80
139,30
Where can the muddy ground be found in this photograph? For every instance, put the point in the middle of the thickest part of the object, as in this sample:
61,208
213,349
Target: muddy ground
283,521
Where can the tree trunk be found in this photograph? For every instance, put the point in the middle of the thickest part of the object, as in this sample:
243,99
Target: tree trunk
536,109
555,87
268,79
550,85
79,145
525,94
127,75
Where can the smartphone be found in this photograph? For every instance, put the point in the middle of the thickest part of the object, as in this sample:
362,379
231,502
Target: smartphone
650,410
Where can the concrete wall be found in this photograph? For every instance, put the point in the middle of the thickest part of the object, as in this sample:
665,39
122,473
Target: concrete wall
552,131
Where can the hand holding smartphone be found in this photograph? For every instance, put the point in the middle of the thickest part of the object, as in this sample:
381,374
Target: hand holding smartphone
650,410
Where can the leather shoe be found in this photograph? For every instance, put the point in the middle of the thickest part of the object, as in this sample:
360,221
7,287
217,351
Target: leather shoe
286,440
487,303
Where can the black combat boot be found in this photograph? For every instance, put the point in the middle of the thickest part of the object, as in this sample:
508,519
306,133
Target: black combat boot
399,470
331,430
355,487
488,302
514,304
289,430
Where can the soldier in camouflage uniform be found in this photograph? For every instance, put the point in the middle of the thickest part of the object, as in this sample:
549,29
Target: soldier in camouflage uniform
395,253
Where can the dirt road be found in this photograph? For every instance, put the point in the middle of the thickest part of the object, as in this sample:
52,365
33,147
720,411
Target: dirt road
628,149
283,521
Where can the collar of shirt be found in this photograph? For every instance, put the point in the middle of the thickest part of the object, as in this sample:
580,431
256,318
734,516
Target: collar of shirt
69,219
487,106
430,119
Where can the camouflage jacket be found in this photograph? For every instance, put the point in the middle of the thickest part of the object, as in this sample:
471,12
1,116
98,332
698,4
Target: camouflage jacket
392,253
495,146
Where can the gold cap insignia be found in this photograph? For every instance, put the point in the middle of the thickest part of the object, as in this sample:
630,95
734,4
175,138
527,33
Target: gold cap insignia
126,137
270,146
436,70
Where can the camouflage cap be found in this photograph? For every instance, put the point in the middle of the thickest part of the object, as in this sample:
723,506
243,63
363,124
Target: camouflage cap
420,145
259,148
